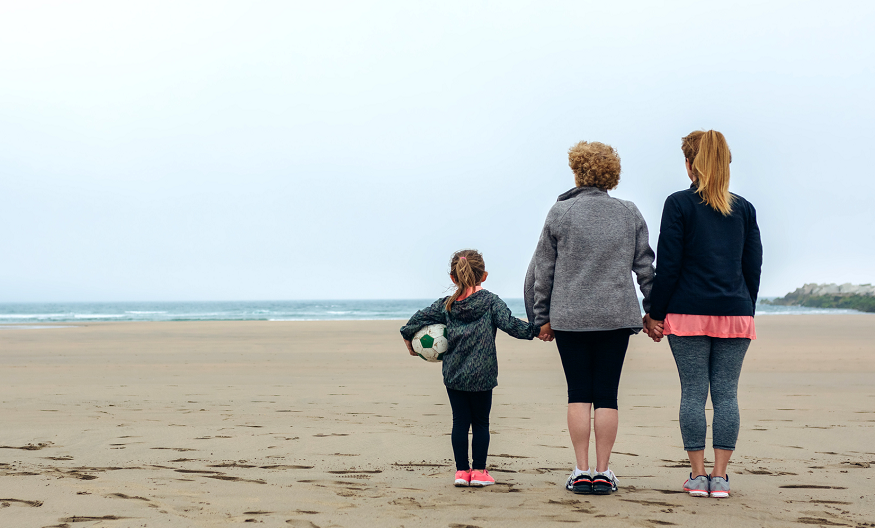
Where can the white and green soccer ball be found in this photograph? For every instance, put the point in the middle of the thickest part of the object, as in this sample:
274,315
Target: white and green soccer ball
431,342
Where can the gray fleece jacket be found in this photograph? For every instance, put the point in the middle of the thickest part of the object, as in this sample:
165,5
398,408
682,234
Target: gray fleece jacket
580,278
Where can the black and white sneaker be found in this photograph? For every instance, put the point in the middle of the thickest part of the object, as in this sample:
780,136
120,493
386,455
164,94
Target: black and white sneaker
604,483
581,484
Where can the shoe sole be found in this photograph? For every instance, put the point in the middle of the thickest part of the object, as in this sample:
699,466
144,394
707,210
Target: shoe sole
602,489
461,483
720,494
480,483
584,488
697,493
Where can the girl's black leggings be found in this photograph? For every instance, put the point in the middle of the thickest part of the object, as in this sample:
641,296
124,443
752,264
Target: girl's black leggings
470,411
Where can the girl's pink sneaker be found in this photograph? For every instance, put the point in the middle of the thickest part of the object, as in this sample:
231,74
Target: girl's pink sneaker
463,478
481,478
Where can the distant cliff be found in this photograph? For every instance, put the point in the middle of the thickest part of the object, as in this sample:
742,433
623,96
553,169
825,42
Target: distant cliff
850,296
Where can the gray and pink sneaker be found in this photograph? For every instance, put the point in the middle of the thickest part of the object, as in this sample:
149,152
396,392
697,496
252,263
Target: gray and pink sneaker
720,487
699,486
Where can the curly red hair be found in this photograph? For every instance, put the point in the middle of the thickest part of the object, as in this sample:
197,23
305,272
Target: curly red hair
595,165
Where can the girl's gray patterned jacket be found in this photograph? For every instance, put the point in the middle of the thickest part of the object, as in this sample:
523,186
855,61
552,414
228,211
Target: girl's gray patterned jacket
470,363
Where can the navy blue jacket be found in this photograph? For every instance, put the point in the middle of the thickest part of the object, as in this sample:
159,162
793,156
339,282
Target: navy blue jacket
706,263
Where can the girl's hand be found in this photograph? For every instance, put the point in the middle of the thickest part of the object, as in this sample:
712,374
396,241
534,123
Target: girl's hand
547,334
410,348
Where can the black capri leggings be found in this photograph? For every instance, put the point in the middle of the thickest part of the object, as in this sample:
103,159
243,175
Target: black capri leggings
593,362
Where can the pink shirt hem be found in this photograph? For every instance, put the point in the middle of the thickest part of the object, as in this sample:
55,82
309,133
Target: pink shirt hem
725,326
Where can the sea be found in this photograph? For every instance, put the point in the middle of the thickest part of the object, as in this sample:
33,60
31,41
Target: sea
14,314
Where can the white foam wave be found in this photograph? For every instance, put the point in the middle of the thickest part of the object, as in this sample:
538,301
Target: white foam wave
34,316
32,327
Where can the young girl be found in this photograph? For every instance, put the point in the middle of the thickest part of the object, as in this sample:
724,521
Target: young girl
470,365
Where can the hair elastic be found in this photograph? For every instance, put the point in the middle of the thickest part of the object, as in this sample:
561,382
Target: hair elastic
462,258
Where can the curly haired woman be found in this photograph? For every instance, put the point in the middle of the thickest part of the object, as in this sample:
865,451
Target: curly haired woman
579,287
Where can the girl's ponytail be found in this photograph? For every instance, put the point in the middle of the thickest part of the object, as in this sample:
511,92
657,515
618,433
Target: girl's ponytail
709,157
467,269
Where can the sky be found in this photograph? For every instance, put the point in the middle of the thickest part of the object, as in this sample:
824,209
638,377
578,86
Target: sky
343,150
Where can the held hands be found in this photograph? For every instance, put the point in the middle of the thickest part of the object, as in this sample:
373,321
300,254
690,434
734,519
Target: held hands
410,348
547,334
653,328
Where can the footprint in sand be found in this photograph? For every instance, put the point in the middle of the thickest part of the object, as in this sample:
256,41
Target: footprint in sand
819,521
301,523
30,447
123,496
234,479
564,502
810,486
88,518
5,503
653,503
408,503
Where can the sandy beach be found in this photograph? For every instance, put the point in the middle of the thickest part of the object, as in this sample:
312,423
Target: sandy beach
324,424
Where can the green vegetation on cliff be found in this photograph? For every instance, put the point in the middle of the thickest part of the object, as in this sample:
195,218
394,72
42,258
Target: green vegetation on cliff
863,303
846,296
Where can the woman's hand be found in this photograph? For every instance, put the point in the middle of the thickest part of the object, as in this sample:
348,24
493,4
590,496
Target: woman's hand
653,328
547,334
410,348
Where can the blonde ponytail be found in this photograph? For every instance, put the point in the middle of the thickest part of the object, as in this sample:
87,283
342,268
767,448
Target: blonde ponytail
467,269
709,158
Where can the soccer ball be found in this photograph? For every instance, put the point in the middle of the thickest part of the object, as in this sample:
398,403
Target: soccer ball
431,342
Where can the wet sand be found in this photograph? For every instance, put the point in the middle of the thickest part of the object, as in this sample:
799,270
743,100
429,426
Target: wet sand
332,424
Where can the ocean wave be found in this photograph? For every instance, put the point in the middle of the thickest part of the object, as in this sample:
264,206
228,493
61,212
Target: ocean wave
33,316
265,311
32,327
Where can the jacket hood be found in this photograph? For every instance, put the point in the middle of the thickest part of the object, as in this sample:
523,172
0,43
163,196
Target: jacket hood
471,308
577,191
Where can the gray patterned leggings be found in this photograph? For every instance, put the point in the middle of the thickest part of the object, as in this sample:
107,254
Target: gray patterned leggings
702,362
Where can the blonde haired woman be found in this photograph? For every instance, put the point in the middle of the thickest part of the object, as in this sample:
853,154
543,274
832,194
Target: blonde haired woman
703,299
579,287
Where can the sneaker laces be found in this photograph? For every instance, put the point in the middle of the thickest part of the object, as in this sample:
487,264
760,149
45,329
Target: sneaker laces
610,474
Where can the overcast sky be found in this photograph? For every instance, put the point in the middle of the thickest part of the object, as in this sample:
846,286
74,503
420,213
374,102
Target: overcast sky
317,150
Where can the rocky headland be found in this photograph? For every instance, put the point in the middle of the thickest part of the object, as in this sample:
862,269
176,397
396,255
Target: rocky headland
849,296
